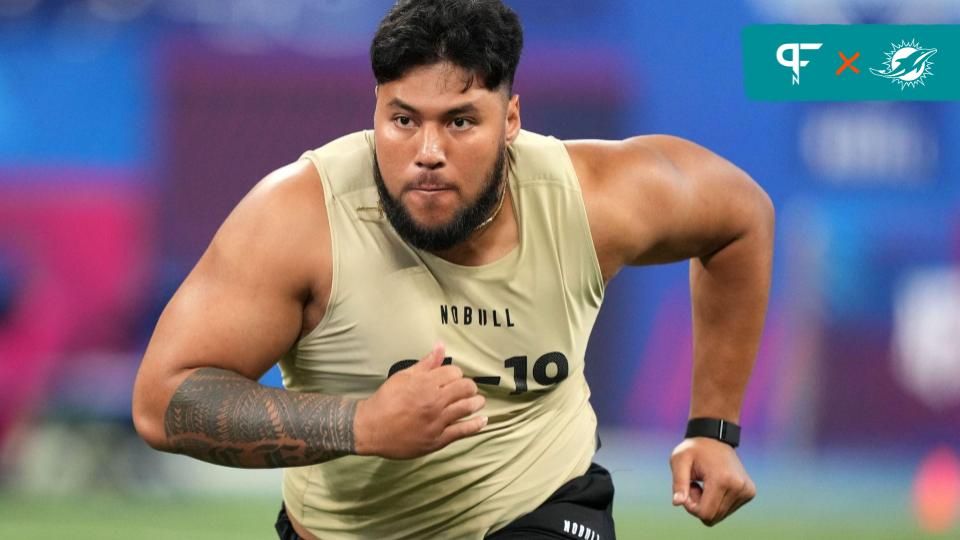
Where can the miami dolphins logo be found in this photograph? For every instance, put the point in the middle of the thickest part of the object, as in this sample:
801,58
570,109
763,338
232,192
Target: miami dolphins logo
907,64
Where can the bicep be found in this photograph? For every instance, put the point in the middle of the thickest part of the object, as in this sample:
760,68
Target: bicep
229,313
215,319
241,307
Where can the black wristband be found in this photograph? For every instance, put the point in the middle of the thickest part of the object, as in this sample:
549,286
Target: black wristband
714,428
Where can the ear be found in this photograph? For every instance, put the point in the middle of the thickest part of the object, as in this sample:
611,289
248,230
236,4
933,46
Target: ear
513,118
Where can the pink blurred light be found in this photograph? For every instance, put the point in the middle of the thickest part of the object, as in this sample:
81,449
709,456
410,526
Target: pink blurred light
936,490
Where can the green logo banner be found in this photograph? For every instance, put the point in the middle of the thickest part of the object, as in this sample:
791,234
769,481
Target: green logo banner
852,62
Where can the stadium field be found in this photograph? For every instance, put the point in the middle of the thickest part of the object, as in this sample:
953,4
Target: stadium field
112,516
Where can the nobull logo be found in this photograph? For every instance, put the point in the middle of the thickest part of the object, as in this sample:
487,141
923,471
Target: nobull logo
794,62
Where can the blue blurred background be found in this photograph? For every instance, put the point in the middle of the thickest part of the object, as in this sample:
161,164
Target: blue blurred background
129,129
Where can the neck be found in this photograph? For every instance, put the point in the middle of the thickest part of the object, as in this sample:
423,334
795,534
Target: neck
496,211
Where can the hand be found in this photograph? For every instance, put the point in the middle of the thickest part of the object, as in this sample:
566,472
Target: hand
726,485
418,410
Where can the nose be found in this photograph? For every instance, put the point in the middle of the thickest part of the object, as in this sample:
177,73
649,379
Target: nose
431,154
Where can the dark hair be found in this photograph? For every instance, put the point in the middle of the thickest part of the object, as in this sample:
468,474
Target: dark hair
482,36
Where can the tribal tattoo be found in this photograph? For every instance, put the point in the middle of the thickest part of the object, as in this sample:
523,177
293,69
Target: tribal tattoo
222,417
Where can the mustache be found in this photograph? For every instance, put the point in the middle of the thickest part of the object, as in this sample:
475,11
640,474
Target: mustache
430,181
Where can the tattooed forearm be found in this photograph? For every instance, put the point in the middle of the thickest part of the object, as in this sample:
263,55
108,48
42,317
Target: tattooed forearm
222,417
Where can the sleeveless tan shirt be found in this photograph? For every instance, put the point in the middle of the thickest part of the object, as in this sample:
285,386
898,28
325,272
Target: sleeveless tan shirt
519,326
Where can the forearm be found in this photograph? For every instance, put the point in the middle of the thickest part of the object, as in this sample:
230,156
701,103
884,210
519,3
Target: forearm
729,290
222,417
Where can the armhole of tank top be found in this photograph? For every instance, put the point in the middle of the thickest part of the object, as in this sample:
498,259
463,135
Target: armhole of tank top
329,203
584,220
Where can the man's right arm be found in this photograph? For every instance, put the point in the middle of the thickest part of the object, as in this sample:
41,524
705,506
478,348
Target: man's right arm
238,311
234,316
222,417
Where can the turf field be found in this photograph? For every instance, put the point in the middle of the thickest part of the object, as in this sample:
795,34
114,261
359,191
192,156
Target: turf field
855,494
111,516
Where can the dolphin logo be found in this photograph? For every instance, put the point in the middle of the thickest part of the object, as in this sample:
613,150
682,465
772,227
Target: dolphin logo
907,63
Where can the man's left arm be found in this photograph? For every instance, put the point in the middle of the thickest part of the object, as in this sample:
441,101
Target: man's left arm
659,199
729,289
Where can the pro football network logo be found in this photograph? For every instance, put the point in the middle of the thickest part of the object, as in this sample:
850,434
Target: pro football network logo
907,64
794,62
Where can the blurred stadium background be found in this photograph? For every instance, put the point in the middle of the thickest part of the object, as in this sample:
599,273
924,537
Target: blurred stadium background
129,128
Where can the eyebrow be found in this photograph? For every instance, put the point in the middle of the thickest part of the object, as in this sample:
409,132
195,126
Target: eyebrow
456,111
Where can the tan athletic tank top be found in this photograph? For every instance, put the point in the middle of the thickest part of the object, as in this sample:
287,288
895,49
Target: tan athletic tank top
519,326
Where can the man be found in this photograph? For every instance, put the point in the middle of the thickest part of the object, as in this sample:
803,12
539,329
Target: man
448,229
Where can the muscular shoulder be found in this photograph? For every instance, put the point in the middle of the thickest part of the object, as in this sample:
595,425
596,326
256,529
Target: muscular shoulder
618,180
644,193
645,159
278,230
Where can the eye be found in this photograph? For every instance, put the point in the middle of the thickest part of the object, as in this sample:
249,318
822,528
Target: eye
461,123
403,121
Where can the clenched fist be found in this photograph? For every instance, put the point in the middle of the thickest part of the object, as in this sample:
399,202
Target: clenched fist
714,464
418,410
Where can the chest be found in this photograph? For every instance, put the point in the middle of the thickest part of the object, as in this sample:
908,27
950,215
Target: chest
496,329
516,330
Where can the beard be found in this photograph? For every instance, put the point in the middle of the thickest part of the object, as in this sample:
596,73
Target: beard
464,222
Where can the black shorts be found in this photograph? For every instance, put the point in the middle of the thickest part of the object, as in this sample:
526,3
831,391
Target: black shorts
582,508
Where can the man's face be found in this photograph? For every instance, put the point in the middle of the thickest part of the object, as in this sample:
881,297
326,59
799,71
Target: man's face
441,153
